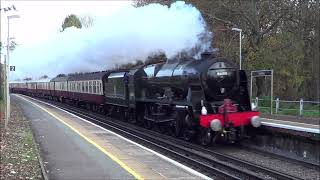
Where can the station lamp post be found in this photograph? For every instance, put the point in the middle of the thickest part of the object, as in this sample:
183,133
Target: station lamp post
8,71
240,35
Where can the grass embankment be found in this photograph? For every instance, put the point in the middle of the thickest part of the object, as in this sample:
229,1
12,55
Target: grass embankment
19,155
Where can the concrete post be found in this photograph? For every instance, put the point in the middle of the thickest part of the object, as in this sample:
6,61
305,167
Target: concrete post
277,105
301,107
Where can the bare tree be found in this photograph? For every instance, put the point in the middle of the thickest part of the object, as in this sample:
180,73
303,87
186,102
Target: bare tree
86,21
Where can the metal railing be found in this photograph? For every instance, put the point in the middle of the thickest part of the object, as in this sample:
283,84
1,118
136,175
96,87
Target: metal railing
285,107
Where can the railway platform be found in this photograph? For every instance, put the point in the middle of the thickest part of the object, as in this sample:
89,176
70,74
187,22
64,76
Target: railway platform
73,148
292,125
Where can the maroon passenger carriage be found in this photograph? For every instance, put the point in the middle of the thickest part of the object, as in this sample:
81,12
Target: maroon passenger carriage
19,87
43,88
31,88
38,88
59,86
86,89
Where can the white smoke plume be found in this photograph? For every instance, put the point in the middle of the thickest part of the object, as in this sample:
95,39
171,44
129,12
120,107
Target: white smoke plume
124,36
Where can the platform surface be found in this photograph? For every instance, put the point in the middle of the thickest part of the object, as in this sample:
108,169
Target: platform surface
292,125
72,148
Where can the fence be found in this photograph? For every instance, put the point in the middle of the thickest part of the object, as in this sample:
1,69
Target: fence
284,107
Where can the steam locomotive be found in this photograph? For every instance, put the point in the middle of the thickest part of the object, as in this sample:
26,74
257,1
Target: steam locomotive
205,99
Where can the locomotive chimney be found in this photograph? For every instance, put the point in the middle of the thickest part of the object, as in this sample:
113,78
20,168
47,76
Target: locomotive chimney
206,55
211,53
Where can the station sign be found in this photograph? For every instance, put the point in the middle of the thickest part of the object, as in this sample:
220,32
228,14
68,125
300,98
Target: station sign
12,68
261,73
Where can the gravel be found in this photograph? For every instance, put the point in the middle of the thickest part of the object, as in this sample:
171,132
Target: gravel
19,155
261,159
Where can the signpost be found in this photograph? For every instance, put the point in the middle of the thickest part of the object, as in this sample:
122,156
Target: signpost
262,73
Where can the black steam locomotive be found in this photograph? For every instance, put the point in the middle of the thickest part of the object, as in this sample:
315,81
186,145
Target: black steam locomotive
205,99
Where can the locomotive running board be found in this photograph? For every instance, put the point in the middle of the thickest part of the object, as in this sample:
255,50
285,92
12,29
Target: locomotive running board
158,121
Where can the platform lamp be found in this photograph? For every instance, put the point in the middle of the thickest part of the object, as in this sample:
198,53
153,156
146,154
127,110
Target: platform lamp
240,33
8,71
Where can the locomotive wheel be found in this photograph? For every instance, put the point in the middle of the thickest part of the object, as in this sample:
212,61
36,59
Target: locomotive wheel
162,127
140,118
132,118
206,137
126,115
121,114
147,124
176,126
187,134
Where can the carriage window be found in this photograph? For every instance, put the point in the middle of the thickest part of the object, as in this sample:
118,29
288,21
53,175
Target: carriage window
98,90
94,87
100,87
82,84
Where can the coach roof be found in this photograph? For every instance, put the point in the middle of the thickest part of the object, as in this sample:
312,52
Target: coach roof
88,76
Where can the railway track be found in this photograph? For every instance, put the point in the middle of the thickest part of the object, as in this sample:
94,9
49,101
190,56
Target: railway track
209,162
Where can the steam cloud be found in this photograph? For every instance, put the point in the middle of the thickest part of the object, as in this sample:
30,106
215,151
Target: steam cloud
124,36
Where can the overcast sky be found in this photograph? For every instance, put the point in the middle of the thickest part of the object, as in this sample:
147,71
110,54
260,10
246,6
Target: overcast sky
38,19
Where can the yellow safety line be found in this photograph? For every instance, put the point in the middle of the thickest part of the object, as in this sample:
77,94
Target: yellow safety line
113,157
